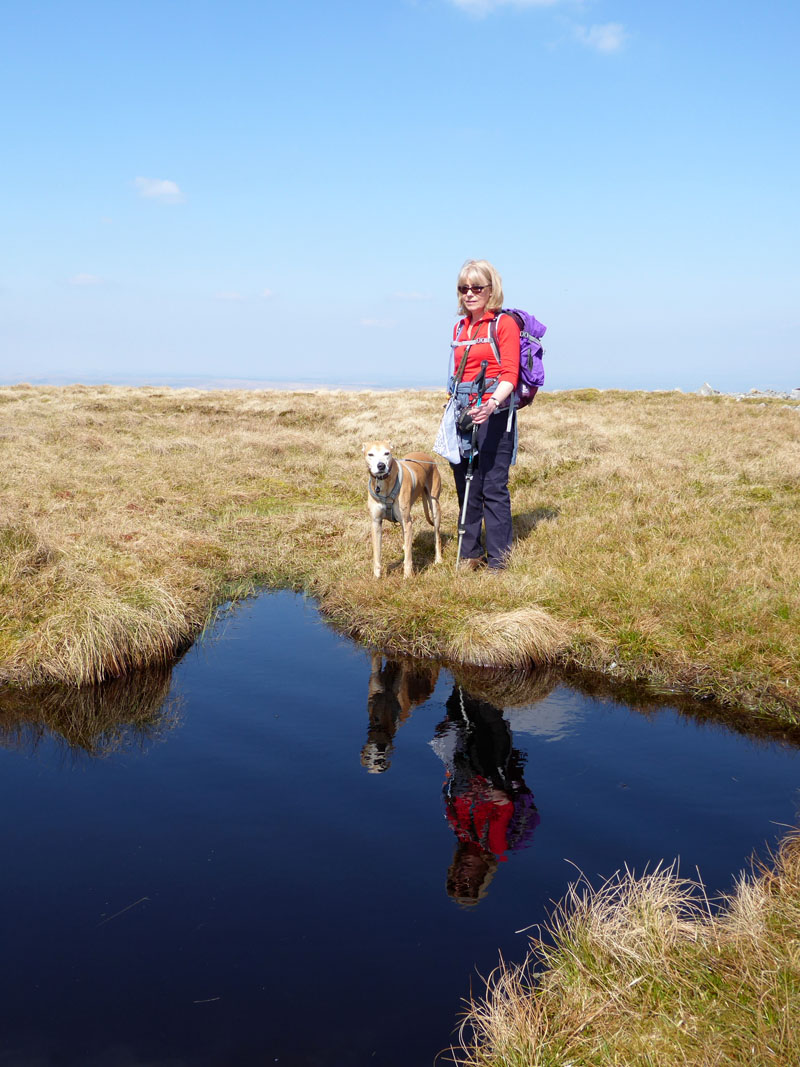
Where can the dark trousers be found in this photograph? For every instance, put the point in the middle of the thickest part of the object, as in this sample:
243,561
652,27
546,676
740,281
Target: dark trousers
489,499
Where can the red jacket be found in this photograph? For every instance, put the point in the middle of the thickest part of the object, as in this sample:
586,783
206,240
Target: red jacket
507,342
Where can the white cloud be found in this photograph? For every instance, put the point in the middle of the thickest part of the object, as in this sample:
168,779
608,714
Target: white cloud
229,294
267,294
608,37
484,7
85,279
159,189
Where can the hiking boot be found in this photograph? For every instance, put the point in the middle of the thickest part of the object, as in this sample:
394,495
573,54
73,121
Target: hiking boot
472,564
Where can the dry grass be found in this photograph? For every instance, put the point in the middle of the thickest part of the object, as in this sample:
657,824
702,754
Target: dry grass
642,972
656,534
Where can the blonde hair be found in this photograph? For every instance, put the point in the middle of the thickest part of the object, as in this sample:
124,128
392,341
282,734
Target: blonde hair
480,272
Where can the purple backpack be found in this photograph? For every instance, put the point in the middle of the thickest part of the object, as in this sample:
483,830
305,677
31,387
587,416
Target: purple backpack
531,368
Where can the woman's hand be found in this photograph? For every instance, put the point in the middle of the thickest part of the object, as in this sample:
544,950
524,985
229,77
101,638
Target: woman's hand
482,413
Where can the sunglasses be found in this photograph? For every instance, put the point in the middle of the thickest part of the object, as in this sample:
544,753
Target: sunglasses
464,289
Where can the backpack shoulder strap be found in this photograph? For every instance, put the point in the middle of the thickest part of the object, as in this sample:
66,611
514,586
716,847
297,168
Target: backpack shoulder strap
459,374
493,334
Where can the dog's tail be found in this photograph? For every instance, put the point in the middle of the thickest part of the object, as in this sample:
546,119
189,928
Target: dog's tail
426,504
430,498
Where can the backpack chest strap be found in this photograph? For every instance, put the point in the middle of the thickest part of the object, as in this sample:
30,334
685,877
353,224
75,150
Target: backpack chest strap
490,339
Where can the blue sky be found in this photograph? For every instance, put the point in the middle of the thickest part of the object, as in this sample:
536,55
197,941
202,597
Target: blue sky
287,191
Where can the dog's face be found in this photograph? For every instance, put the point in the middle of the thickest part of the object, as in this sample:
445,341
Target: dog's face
378,455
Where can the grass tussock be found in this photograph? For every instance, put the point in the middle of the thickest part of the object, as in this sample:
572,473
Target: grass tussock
656,534
643,972
508,638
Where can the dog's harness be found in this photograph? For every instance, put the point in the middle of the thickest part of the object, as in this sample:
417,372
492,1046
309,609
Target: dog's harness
386,500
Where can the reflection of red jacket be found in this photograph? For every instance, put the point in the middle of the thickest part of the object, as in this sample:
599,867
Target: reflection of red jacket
476,816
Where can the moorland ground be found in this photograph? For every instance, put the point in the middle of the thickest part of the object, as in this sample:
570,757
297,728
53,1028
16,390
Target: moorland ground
656,533
656,541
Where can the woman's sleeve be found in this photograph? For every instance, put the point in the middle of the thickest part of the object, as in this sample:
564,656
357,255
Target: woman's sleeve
508,343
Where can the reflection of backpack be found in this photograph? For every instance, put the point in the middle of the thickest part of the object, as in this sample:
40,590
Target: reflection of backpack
531,369
524,820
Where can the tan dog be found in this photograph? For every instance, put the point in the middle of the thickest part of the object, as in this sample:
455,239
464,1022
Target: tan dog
394,486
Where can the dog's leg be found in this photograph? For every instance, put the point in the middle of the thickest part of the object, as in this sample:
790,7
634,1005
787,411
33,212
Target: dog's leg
437,521
408,539
433,513
377,533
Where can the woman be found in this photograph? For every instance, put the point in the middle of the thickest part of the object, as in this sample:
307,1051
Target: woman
480,298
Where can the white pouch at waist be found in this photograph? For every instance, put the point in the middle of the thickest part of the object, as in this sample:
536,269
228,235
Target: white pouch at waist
446,443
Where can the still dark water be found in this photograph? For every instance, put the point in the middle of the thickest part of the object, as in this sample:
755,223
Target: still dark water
265,867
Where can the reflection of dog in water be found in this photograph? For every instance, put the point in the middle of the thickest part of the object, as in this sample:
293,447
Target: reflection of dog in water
395,687
488,805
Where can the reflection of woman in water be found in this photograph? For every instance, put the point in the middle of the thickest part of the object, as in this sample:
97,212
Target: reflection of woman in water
488,805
